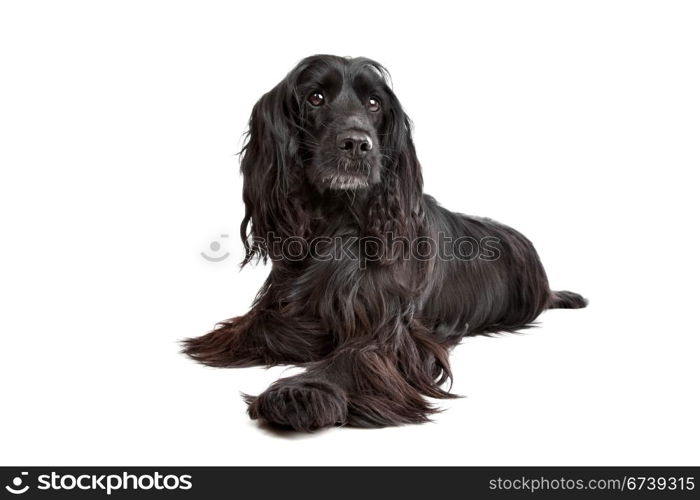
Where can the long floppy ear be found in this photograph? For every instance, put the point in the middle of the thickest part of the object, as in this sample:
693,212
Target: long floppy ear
408,175
398,207
272,173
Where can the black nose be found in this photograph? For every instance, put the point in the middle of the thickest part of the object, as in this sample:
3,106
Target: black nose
354,144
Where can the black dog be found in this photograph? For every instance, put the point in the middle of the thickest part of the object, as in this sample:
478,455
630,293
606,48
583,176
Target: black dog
371,280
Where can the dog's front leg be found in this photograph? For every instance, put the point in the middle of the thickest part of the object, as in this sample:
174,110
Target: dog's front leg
364,383
261,337
232,343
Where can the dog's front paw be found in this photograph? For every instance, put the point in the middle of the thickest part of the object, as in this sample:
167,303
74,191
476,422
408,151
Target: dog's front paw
302,405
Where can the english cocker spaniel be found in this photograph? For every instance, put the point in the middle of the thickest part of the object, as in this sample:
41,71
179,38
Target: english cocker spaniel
372,281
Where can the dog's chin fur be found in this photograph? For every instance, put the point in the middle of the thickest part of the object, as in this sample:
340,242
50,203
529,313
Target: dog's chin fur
373,333
341,182
346,175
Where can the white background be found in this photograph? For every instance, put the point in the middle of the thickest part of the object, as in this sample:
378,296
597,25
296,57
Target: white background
575,122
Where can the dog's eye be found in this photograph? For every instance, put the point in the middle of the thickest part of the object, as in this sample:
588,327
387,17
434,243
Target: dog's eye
316,98
373,104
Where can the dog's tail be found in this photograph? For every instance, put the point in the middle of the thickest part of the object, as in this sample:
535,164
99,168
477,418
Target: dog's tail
563,299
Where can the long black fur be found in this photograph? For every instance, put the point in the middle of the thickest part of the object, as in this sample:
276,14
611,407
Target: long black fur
374,331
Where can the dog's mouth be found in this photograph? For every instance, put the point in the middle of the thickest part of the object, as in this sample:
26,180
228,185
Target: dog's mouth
346,181
348,175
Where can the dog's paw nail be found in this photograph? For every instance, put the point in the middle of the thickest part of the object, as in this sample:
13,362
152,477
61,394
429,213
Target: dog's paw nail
300,405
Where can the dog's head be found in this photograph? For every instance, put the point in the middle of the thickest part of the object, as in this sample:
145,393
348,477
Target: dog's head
344,106
332,125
